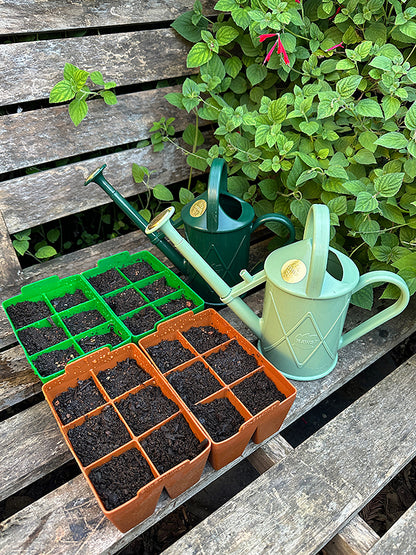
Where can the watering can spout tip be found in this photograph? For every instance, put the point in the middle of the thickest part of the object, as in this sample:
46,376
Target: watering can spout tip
95,174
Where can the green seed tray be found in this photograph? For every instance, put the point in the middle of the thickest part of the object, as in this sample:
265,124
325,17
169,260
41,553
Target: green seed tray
52,288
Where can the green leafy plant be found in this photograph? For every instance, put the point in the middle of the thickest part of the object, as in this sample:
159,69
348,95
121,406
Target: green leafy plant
314,101
74,87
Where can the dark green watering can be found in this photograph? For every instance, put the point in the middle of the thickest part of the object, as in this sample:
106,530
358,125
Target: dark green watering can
217,224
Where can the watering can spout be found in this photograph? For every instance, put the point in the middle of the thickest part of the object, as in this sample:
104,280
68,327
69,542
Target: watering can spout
156,238
227,294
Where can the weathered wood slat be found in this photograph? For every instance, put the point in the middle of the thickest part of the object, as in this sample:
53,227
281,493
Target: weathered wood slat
20,16
355,539
309,393
9,264
400,539
31,69
41,136
28,201
300,503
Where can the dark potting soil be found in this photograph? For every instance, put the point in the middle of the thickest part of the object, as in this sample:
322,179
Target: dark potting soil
68,300
54,361
257,392
37,339
125,301
219,417
232,363
175,305
171,444
108,281
27,312
118,480
168,354
78,400
83,321
142,321
88,344
124,376
157,289
145,409
194,383
98,435
138,270
205,338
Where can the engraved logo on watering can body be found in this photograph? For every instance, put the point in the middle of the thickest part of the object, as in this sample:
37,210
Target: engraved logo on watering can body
306,340
198,208
293,271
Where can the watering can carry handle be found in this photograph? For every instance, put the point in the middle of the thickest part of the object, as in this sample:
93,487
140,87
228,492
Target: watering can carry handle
317,229
378,319
276,218
217,184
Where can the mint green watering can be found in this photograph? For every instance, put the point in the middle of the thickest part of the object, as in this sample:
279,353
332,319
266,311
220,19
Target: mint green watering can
308,291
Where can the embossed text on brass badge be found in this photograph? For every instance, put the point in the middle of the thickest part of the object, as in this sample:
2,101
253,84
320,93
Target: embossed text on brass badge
198,208
293,271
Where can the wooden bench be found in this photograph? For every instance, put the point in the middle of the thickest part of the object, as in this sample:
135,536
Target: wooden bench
306,498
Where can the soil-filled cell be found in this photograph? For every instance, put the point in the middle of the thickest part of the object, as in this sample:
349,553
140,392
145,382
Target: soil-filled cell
36,339
107,281
219,417
125,301
171,444
138,270
194,383
98,435
257,392
145,409
83,321
204,338
168,354
124,376
92,342
119,479
77,401
175,305
142,321
232,363
157,289
54,361
27,312
68,300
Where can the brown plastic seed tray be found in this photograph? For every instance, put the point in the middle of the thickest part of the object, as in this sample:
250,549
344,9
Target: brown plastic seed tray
257,427
176,480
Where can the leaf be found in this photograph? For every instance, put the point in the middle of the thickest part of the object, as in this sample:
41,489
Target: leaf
410,118
21,246
185,195
162,193
189,135
391,212
367,140
365,157
53,235
261,134
138,172
381,253
45,252
369,231
348,85
197,162
382,62
277,110
336,171
363,298
256,73
392,140
233,66
306,176
77,109
146,214
237,185
199,55
309,127
390,106
365,202
109,97
269,188
300,209
226,34
338,205
175,99
97,78
369,108
61,92
225,5
184,26
388,185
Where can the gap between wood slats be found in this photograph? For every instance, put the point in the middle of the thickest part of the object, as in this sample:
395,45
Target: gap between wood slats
30,69
21,16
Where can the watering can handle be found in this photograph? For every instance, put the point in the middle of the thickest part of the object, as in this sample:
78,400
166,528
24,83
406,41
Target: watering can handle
317,229
217,184
384,315
276,218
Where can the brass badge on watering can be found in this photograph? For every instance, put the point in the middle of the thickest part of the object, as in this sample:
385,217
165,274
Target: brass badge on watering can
293,271
198,208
